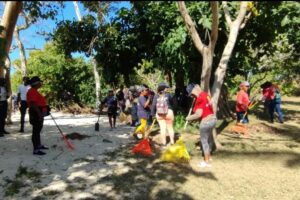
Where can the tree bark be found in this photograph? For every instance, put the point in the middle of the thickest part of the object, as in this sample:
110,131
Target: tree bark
8,87
21,52
222,67
9,20
206,52
94,62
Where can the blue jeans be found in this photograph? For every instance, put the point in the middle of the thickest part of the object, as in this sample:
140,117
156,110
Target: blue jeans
279,111
240,116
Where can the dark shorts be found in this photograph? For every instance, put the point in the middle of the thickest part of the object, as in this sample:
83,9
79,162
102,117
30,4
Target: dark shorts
112,111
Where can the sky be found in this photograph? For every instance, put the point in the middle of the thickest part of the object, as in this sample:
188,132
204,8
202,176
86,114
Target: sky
31,39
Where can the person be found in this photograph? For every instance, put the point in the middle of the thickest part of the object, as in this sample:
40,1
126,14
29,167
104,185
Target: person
38,109
162,109
112,104
269,99
242,102
22,93
143,105
203,111
121,98
3,106
133,98
278,102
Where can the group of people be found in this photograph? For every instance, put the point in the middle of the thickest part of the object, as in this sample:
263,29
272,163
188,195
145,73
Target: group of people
270,96
28,98
145,105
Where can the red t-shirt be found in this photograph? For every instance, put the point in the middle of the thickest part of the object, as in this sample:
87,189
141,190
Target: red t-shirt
269,93
203,102
33,96
242,101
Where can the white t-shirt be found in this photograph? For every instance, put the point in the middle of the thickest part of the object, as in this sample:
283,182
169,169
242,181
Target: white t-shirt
3,94
23,91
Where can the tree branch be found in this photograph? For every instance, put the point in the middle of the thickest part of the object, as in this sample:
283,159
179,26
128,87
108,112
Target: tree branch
242,12
26,24
215,24
245,20
191,27
227,14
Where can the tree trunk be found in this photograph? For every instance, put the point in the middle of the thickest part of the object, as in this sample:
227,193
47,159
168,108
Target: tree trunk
94,62
9,20
97,81
206,69
222,67
78,14
21,52
8,87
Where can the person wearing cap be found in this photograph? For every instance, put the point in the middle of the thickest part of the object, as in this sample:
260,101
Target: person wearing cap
166,119
112,107
3,106
203,111
22,93
242,103
143,111
38,108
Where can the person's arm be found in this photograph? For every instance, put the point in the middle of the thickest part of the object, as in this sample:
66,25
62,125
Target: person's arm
195,116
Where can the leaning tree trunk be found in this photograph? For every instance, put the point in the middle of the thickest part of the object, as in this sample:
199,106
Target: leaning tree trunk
21,52
9,20
94,62
220,73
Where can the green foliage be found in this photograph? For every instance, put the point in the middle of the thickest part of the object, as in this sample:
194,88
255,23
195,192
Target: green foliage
62,75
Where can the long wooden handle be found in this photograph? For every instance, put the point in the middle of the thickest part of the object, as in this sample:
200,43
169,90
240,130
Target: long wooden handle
190,111
149,130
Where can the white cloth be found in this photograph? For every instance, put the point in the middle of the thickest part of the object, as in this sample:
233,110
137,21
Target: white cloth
3,94
23,91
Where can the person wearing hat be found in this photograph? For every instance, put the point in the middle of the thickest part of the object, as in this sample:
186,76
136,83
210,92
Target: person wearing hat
3,106
143,111
38,108
162,109
22,93
112,105
203,111
242,102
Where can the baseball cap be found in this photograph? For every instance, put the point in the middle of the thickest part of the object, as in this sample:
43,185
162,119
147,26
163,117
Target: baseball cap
190,87
245,83
35,80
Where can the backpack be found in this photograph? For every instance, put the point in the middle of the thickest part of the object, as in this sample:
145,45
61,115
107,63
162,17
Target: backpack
162,105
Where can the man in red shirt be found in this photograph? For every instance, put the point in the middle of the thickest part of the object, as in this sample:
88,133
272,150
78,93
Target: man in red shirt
242,103
268,91
203,112
37,110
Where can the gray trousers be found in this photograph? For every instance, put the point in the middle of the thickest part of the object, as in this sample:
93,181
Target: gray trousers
206,136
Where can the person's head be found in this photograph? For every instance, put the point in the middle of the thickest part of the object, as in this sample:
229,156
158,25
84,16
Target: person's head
143,91
121,87
35,82
2,82
245,85
110,92
193,90
162,87
25,80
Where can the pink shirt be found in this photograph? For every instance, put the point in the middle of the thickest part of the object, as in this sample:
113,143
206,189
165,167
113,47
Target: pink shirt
242,101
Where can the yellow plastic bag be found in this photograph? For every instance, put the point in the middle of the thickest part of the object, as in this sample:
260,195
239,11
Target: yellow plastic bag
176,153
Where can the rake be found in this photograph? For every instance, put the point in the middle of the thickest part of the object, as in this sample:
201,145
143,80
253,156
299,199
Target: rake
67,142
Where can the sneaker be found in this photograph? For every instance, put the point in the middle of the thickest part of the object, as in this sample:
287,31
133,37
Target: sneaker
43,147
204,164
5,132
38,152
21,130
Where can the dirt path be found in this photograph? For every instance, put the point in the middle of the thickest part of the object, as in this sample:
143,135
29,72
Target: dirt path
264,166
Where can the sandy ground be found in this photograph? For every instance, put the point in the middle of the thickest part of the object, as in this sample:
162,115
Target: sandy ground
265,166
59,164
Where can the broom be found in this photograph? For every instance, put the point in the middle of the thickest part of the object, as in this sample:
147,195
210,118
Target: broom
190,111
67,142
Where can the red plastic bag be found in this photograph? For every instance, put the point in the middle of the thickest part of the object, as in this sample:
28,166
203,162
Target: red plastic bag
143,148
